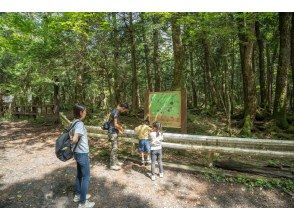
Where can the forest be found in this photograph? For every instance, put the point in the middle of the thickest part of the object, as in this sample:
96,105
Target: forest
237,67
236,71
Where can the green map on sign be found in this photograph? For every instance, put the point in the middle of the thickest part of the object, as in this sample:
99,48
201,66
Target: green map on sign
167,104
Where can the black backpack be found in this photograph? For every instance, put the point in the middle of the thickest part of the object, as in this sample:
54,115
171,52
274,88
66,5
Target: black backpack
106,124
63,148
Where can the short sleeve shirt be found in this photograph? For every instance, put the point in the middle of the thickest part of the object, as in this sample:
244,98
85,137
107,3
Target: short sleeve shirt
82,145
113,114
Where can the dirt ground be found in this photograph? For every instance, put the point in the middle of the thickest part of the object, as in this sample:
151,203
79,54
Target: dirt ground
31,176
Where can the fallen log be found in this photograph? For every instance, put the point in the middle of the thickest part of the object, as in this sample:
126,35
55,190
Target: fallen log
250,143
206,148
249,168
274,148
205,170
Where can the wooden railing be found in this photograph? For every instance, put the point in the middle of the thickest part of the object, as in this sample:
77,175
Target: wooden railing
263,147
32,110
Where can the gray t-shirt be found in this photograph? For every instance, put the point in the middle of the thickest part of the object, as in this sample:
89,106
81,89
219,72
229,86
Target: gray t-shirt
156,140
83,146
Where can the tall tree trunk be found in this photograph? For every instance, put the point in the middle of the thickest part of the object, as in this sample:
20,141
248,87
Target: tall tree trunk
80,71
178,73
204,83
282,74
222,67
1,104
110,103
156,58
117,78
226,101
135,99
147,57
262,79
56,99
231,95
292,61
192,79
207,70
270,70
246,31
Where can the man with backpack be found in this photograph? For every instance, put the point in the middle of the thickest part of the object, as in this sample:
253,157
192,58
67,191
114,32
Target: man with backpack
115,128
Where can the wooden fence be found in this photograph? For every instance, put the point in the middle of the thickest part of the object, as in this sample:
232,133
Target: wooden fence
32,110
262,147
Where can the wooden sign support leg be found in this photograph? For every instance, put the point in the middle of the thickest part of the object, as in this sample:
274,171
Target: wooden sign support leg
146,106
184,111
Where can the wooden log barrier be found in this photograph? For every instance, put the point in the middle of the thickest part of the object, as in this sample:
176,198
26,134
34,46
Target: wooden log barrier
272,148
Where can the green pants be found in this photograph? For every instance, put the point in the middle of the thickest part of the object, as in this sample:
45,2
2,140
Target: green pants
113,138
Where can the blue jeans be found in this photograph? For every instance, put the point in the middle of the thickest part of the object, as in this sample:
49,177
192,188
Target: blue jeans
83,175
144,146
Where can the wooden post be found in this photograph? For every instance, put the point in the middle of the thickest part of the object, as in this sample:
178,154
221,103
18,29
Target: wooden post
146,105
184,111
133,149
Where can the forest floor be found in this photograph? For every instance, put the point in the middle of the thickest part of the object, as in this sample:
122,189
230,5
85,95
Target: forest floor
31,176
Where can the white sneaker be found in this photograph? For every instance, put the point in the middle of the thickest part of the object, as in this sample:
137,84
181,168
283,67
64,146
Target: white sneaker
77,197
160,175
87,204
153,177
115,167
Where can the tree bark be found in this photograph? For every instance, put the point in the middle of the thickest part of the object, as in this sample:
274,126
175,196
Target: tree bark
156,58
292,61
178,73
115,40
147,59
270,70
283,67
246,31
135,99
56,99
207,70
192,79
262,76
232,88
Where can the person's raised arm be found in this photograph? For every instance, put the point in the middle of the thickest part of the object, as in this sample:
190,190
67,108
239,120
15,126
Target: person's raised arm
118,126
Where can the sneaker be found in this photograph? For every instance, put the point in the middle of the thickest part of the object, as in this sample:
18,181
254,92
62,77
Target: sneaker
87,204
115,167
153,177
77,197
160,175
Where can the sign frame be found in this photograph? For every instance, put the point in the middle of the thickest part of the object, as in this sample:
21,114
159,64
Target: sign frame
183,109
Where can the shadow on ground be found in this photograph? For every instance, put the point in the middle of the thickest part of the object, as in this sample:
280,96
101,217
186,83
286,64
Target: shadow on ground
56,190
226,195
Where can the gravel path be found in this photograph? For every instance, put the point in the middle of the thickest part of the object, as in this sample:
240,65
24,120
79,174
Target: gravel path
31,176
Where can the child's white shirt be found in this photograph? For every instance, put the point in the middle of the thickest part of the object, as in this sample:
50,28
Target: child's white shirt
155,141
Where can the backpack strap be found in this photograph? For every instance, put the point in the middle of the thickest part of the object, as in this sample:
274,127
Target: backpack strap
72,125
73,150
